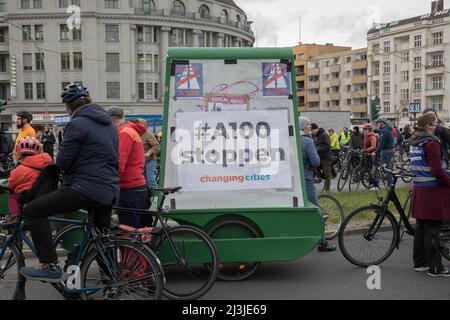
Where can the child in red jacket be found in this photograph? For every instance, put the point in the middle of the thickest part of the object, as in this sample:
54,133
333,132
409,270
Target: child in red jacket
32,162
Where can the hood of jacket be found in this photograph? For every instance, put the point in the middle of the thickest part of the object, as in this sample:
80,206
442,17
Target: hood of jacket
38,161
419,137
94,112
139,128
321,131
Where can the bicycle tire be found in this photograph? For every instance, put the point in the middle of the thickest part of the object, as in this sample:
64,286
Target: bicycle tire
347,232
341,216
238,271
355,175
141,267
14,288
406,165
210,266
343,177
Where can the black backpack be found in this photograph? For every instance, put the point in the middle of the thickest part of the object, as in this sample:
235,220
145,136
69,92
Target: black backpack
46,182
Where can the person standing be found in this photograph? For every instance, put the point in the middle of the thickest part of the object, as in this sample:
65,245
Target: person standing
23,123
60,138
323,145
431,196
386,145
311,161
356,140
344,138
48,141
133,187
369,147
335,149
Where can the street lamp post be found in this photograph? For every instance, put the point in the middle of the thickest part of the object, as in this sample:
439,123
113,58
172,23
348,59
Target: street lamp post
5,20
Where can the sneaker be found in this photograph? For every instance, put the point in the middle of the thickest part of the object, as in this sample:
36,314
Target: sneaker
44,272
374,188
422,269
327,248
444,273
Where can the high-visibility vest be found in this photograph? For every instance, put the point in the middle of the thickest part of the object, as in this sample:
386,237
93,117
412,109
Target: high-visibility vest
345,139
421,168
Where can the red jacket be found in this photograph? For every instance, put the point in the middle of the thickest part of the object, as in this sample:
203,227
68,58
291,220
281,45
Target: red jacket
433,203
131,156
370,142
25,175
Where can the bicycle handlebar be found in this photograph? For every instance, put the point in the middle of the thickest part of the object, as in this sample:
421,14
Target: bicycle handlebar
402,172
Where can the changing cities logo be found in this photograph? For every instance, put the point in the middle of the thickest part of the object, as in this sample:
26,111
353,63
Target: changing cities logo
276,79
189,81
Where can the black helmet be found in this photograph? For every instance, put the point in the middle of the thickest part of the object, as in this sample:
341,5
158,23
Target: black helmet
25,115
74,91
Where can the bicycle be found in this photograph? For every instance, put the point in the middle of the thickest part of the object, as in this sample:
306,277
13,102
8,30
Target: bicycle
332,213
377,228
189,256
347,171
101,266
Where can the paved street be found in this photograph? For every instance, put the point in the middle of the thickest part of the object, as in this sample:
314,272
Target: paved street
320,276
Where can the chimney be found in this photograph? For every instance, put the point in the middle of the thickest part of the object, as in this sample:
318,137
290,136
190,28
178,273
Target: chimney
437,6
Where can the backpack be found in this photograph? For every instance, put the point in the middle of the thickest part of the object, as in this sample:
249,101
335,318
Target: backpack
46,182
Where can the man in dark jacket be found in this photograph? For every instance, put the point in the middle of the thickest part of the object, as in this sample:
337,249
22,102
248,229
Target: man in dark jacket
441,132
386,145
356,139
323,145
89,158
48,141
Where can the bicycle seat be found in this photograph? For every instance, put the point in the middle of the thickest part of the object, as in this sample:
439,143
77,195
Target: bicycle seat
167,191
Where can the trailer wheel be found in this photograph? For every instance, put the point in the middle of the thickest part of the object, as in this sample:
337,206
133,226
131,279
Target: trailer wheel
235,229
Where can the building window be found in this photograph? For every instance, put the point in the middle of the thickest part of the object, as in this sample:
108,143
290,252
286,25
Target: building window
387,67
25,4
65,61
405,76
205,39
417,84
112,62
387,46
148,91
348,74
417,41
37,4
113,90
387,107
39,62
405,113
417,63
2,5
147,34
27,62
64,33
64,85
405,94
39,32
40,90
376,88
3,35
3,64
26,34
76,34
147,6
112,4
28,87
438,37
437,103
204,12
387,87
377,68
437,82
145,62
77,60
405,57
178,8
112,33
63,3
437,60
178,37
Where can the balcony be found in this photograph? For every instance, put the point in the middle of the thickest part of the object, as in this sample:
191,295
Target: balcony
435,69
314,72
359,65
335,69
359,79
359,94
335,82
335,96
436,48
313,98
359,108
435,92
4,47
314,85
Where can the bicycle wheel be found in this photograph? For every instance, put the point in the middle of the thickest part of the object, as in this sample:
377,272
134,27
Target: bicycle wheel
193,273
235,229
365,178
344,176
407,166
368,237
355,179
124,270
333,215
11,282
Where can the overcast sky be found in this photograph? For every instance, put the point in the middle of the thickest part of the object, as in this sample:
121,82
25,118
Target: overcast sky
341,22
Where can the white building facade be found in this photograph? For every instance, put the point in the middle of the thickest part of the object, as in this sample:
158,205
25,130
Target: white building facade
118,53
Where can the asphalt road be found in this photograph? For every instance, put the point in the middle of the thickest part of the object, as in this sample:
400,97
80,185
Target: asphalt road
325,276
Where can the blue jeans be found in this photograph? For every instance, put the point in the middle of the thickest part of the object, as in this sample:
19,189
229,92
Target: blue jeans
150,174
386,158
312,197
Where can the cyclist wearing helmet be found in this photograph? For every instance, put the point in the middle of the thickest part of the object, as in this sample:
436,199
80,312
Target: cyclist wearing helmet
89,158
23,123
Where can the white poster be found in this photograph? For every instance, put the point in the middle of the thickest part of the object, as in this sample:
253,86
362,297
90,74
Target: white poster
231,151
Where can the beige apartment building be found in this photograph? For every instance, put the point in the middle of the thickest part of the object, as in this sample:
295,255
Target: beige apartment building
118,53
409,63
337,82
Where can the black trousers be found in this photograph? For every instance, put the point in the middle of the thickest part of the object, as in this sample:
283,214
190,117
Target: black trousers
426,245
64,200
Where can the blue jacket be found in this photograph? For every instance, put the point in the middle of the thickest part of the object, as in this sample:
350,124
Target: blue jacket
89,155
311,158
386,141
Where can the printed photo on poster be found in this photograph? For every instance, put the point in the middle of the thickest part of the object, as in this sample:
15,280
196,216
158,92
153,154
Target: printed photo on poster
189,81
276,79
216,102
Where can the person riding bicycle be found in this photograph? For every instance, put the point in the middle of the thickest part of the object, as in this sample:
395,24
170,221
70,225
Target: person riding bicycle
369,147
386,145
431,195
89,158
311,161
32,161
23,123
